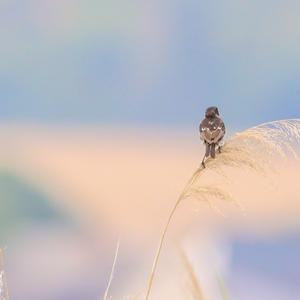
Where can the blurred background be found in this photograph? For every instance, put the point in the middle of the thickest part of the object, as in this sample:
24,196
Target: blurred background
100,106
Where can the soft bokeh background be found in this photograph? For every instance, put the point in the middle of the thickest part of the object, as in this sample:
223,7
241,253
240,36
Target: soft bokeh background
100,104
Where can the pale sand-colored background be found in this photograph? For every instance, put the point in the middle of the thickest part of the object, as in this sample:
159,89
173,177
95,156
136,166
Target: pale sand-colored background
124,182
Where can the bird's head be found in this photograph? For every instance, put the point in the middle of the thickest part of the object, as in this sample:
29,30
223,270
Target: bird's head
211,112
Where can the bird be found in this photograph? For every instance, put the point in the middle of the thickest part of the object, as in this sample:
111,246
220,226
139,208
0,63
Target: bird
212,131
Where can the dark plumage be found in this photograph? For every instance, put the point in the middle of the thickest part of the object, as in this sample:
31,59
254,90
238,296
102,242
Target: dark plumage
212,131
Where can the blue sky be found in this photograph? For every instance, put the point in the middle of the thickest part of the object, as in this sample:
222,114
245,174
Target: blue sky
154,63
